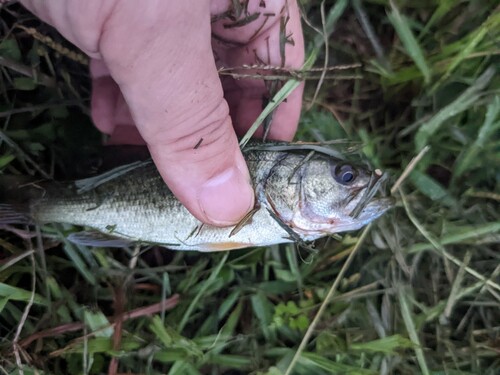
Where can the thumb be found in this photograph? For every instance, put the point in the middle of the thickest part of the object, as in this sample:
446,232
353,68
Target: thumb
205,169
168,77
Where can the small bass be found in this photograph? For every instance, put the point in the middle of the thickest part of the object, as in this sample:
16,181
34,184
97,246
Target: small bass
302,193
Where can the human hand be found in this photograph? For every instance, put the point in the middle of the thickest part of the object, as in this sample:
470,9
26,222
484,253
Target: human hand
154,75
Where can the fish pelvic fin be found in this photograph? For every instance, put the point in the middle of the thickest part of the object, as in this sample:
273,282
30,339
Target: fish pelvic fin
95,238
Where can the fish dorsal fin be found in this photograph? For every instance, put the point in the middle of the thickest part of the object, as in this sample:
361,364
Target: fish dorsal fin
321,148
97,239
90,183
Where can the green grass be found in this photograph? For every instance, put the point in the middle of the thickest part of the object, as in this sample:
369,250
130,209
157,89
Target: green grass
417,292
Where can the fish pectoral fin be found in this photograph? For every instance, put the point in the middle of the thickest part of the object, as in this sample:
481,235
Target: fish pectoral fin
98,239
247,219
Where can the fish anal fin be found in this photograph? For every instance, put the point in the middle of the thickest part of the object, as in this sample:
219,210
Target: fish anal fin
94,238
221,246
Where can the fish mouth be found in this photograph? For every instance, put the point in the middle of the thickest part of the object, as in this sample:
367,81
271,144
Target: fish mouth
369,208
374,210
370,211
365,196
358,211
366,207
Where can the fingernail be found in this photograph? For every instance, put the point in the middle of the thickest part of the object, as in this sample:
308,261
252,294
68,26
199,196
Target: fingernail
227,197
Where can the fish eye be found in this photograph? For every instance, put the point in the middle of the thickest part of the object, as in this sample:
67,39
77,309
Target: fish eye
344,174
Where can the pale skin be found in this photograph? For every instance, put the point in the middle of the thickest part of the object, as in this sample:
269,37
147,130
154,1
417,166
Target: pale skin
155,81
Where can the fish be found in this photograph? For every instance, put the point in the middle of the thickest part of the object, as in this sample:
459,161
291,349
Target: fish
302,193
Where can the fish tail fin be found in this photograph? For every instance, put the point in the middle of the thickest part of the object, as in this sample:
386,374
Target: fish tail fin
14,214
16,193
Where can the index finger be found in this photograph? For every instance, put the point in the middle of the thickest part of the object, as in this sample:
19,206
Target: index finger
268,33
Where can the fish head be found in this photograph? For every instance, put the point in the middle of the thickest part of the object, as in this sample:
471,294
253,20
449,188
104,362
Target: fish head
327,195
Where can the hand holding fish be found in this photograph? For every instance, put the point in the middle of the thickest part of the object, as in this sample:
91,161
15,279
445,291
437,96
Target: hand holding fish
154,68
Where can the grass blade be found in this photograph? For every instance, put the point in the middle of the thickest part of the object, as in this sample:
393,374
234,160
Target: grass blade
79,263
460,234
17,294
333,367
435,244
198,296
460,104
409,41
488,26
490,127
326,301
387,345
410,327
277,99
431,188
